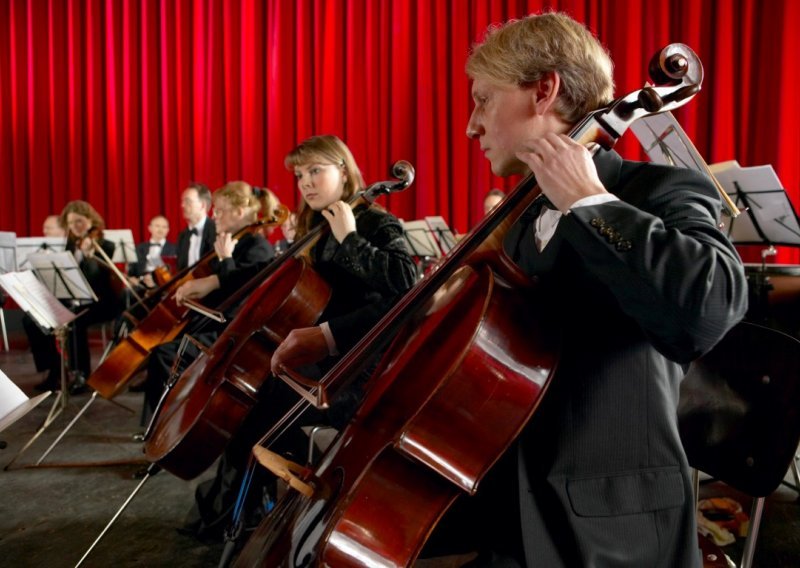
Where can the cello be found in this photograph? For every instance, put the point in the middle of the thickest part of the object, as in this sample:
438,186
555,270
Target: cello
164,321
422,438
206,405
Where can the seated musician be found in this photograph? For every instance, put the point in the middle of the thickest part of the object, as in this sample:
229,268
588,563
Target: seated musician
84,233
365,261
631,263
51,227
150,254
238,260
198,238
289,231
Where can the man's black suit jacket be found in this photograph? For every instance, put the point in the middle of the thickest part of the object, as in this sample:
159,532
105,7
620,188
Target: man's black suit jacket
206,245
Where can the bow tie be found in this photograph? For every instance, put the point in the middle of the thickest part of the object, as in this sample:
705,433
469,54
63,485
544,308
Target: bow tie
151,245
193,231
536,207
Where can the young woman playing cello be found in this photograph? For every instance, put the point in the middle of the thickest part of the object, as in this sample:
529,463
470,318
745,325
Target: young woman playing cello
365,262
235,207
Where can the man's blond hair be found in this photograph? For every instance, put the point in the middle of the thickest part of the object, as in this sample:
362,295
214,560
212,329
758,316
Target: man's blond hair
522,51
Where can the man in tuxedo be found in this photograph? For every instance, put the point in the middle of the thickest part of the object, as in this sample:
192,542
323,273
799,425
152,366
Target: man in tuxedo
636,276
197,239
150,254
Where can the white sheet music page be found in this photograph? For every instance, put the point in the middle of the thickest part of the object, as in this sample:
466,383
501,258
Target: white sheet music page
10,395
34,298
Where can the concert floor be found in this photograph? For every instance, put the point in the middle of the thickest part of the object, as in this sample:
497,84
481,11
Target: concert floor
49,516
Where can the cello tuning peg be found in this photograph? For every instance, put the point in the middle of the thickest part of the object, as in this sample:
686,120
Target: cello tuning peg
650,100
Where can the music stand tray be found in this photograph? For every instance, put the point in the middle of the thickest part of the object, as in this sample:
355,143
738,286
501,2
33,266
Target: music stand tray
124,245
770,218
61,274
442,233
30,245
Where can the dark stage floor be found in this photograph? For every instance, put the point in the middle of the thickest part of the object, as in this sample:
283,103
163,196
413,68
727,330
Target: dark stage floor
49,516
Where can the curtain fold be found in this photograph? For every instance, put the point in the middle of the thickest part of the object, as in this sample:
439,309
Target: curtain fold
122,102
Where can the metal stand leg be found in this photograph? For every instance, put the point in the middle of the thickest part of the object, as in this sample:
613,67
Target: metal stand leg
63,432
59,404
152,470
752,535
3,325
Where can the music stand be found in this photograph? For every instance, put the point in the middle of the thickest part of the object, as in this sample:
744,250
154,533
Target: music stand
60,272
29,245
35,299
770,219
442,233
421,242
14,404
8,263
124,246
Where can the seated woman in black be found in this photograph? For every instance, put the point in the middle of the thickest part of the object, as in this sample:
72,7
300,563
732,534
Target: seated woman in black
84,235
365,261
236,206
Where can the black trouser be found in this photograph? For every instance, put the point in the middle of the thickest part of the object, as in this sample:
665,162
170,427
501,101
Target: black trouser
43,345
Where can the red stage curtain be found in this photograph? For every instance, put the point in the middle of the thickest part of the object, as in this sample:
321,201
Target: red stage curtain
122,102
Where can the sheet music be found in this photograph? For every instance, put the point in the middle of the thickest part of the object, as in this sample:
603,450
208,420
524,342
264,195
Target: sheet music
124,246
8,251
59,271
442,233
34,298
420,240
30,245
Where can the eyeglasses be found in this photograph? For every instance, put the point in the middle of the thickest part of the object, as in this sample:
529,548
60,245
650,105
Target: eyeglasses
218,211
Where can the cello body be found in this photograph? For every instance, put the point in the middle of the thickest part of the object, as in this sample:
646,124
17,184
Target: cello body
217,391
410,469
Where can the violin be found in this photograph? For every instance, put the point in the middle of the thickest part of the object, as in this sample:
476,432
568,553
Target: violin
213,396
162,275
164,321
464,374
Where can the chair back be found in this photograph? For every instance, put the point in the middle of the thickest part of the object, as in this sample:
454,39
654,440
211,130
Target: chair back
739,410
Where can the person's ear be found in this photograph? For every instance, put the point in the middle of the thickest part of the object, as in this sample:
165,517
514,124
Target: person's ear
544,92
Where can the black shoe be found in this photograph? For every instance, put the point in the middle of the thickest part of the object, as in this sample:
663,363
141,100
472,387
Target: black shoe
51,383
78,385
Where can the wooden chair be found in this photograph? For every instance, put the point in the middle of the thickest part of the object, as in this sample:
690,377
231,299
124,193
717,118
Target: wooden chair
739,415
